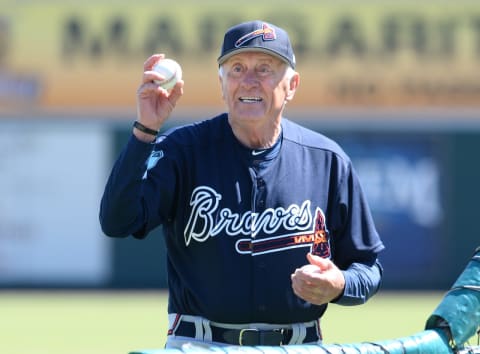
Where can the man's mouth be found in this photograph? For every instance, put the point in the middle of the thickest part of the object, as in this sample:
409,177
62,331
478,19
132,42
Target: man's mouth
250,99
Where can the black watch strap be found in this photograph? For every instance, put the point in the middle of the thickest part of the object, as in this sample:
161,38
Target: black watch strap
144,129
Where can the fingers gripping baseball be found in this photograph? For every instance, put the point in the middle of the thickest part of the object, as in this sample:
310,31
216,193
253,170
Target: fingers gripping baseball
318,282
154,103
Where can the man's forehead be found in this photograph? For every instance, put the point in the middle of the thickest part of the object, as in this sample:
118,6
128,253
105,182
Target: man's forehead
255,56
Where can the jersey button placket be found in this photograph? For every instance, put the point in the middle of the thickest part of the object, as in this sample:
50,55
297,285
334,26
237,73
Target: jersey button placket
259,266
261,194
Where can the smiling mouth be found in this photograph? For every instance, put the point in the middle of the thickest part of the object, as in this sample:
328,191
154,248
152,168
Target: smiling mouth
248,99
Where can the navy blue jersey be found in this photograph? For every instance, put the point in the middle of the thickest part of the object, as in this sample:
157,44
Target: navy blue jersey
238,222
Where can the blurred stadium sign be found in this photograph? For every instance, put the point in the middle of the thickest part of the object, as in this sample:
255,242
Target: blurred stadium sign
51,184
64,55
403,175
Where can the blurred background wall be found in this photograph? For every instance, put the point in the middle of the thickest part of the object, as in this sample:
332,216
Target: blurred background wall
396,83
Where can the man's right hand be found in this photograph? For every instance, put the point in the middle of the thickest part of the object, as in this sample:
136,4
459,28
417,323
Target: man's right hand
154,104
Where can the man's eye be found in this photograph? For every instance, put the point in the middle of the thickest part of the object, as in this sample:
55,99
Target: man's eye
263,70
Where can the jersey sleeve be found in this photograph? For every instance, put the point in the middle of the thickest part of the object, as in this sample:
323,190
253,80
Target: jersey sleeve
135,199
362,281
356,242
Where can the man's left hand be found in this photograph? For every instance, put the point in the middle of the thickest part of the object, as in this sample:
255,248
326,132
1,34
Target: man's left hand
318,282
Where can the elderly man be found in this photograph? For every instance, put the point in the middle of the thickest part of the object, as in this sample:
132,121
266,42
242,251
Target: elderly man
265,221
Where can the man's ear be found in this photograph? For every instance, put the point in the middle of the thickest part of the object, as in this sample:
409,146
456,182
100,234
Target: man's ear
220,80
292,86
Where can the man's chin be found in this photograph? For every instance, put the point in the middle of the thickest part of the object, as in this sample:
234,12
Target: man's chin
249,114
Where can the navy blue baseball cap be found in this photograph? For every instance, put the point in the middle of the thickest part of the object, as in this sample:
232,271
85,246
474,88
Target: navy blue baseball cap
257,36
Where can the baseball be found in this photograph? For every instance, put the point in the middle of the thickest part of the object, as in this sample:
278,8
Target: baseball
169,69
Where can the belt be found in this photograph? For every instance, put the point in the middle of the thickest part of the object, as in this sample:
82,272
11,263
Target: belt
248,336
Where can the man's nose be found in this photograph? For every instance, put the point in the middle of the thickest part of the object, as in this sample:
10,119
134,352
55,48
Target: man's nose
250,77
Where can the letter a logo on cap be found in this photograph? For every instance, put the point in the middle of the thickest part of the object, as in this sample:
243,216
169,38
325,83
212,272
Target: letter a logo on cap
267,33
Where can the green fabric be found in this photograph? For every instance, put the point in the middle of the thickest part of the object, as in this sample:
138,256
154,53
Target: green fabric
460,308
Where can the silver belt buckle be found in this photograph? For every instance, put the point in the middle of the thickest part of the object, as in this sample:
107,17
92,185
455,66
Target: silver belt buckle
260,337
242,331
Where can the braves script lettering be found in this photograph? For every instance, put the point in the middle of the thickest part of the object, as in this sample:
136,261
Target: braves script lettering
207,221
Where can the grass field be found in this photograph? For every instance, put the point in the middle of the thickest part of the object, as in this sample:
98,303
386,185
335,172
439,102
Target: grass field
117,322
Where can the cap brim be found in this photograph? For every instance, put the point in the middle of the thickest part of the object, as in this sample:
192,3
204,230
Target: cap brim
230,54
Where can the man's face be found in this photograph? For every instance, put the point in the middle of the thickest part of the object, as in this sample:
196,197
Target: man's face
255,87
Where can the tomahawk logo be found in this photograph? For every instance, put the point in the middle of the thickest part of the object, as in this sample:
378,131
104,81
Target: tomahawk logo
317,240
301,229
267,33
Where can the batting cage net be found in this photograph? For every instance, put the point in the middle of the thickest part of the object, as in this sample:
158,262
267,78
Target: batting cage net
447,331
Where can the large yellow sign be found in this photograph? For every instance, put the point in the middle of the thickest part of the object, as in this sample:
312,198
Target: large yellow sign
67,55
